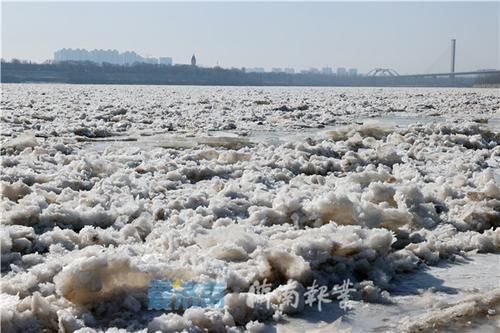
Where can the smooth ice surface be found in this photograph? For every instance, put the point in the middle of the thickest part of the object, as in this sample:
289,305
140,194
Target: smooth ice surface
419,299
104,188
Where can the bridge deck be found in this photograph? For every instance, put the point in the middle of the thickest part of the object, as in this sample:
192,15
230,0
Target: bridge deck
450,74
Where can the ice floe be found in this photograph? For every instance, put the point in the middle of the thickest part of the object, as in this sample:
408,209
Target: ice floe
105,188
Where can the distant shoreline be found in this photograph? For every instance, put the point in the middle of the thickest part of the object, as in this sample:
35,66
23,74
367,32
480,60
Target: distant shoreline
147,74
488,86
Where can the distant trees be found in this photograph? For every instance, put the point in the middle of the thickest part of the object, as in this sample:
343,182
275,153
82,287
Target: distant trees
489,79
17,61
137,73
143,73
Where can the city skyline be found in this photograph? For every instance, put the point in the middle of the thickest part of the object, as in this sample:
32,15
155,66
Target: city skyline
408,37
111,56
128,57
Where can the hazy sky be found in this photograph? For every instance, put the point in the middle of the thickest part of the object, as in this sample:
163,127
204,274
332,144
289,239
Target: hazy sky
411,37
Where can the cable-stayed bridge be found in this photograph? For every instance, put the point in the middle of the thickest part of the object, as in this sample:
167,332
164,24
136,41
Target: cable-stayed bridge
388,72
390,75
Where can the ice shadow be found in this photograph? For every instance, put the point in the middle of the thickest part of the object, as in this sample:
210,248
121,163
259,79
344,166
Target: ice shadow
424,282
405,284
323,320
413,283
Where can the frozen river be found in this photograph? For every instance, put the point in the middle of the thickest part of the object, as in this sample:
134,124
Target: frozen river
106,188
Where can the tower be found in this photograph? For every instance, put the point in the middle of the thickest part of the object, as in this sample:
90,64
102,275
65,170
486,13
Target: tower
452,64
193,60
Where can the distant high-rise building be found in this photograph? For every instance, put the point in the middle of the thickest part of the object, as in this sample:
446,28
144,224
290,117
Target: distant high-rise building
127,58
289,70
276,70
341,71
101,56
166,61
353,72
193,60
255,70
152,61
326,70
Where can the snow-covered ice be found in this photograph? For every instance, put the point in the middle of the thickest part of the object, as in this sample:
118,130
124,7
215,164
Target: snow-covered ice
104,188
